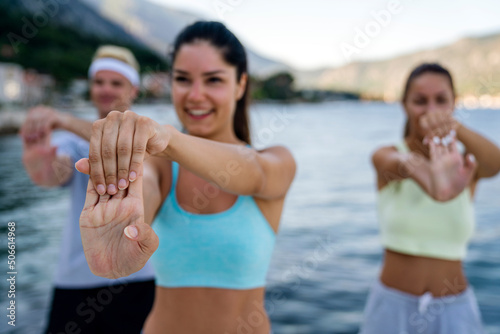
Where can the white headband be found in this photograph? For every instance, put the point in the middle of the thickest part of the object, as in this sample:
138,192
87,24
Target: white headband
111,64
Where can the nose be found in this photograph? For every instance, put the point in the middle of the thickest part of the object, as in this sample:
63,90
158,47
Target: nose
104,88
196,92
432,107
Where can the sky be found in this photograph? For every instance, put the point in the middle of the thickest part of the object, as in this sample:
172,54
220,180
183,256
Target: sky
312,34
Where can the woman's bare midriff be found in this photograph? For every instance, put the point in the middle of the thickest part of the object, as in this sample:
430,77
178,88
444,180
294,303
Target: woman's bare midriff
417,275
207,311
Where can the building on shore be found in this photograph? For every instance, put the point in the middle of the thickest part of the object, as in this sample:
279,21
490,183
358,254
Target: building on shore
25,87
11,83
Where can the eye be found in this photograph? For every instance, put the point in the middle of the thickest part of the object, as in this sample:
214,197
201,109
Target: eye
420,101
214,80
117,83
181,79
97,82
442,100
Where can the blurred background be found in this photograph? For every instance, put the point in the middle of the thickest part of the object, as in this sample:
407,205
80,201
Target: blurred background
330,71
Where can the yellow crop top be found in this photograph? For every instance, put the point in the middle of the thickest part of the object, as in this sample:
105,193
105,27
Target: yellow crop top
413,223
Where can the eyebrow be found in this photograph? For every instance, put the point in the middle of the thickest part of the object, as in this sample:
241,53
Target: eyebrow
443,92
204,74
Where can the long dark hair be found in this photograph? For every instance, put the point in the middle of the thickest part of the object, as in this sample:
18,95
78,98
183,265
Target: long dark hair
417,72
233,53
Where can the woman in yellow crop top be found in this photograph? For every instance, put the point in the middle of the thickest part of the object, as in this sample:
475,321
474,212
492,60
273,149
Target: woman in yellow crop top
425,205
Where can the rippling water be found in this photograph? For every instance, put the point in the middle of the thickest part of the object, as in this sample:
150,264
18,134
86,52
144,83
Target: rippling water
327,254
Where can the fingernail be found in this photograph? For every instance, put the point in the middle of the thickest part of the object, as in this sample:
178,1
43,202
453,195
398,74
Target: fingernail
131,232
111,189
425,141
122,184
472,158
101,190
436,140
132,176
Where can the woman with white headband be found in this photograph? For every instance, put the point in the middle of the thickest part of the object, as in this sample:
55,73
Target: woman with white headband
83,302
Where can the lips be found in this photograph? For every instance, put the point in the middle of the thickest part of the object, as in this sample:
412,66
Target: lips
106,99
198,113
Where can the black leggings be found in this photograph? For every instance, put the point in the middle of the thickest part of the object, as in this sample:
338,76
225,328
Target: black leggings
119,308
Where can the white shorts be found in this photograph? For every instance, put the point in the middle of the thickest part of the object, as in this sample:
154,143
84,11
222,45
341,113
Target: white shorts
390,311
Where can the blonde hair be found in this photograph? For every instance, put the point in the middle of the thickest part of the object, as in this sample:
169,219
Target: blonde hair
117,52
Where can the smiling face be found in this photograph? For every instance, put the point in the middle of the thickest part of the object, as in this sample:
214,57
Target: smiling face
111,91
429,92
205,91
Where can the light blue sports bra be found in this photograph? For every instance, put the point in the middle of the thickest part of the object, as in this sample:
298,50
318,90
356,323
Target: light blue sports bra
230,249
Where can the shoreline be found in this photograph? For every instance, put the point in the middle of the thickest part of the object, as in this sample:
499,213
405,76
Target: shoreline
11,121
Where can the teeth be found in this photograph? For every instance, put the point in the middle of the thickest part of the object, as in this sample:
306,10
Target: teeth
198,112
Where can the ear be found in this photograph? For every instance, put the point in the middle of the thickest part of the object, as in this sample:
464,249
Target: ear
242,84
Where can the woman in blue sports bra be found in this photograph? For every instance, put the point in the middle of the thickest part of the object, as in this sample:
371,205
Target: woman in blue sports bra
426,213
215,201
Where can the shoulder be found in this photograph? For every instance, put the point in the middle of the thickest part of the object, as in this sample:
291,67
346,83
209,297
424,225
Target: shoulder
381,154
278,158
279,152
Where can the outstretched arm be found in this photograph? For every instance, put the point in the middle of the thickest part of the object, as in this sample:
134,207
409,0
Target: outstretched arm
485,151
238,169
120,143
443,177
42,120
41,162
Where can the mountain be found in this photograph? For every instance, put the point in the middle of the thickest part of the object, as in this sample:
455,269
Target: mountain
73,14
60,39
158,25
474,63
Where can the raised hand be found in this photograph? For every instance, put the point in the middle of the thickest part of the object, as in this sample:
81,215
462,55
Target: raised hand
39,123
118,146
450,172
438,123
40,160
116,240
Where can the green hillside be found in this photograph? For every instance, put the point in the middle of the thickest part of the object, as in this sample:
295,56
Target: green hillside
474,63
61,51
